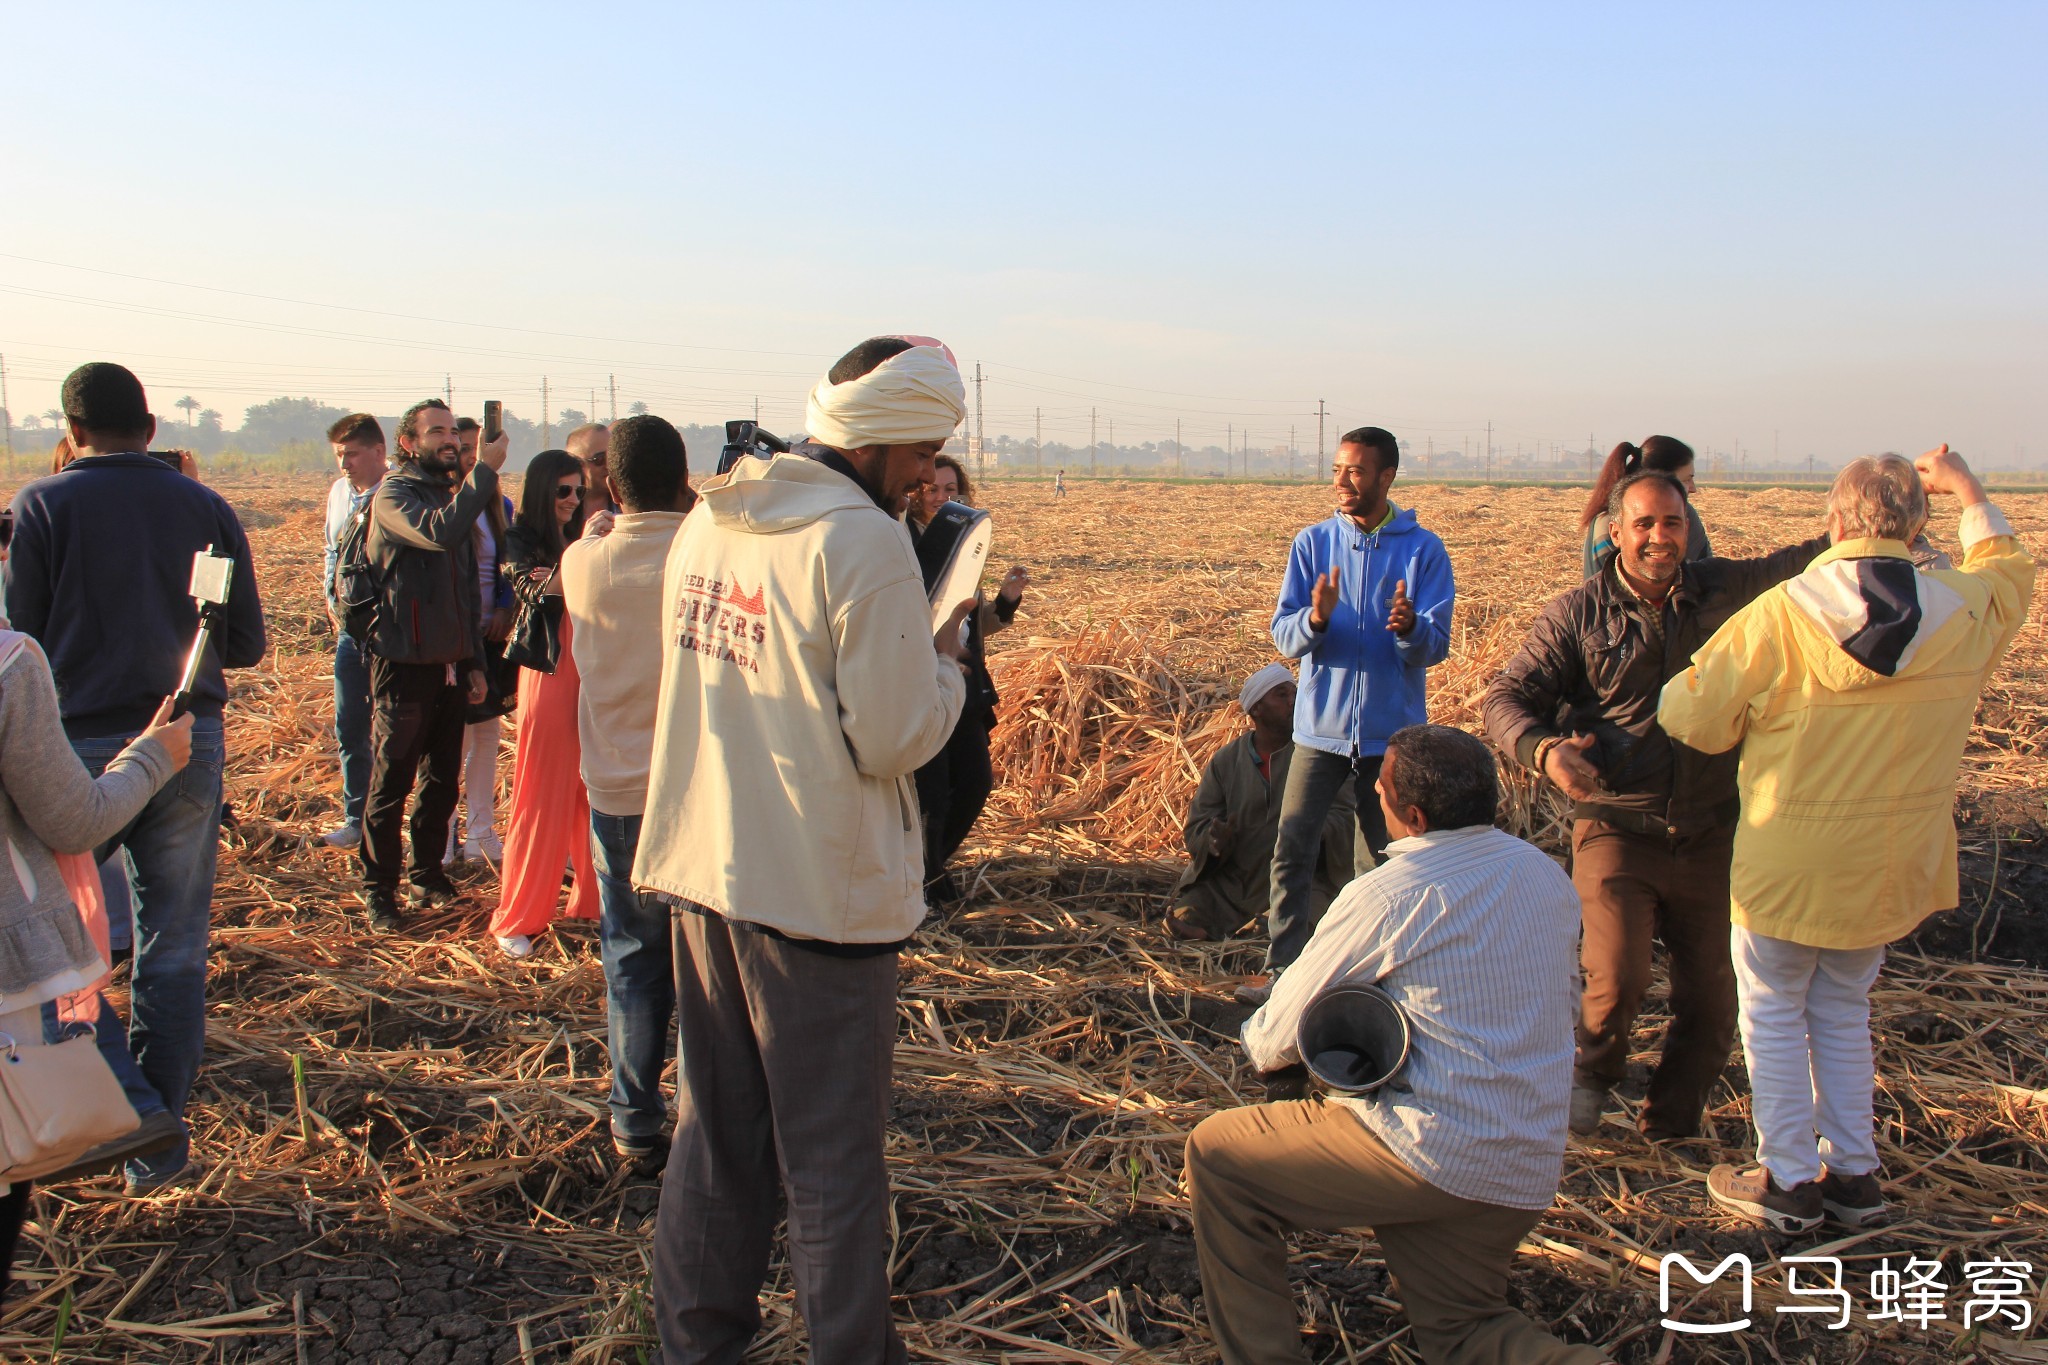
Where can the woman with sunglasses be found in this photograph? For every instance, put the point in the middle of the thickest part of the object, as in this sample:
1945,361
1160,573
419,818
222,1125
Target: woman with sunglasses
549,824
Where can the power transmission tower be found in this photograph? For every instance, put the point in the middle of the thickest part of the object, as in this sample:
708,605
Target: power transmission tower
980,448
1091,443
1321,412
6,411
1179,453
448,390
1229,444
757,409
1489,451
593,406
614,381
547,425
1038,438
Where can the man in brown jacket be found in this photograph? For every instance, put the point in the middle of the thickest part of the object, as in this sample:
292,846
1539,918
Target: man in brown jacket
1653,821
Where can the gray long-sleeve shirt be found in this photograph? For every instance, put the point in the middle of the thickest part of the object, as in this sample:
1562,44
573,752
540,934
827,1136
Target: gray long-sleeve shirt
50,804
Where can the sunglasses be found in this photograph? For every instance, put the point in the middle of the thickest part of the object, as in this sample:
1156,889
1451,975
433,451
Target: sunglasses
568,490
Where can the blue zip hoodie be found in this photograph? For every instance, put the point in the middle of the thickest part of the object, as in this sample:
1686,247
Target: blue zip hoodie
1360,682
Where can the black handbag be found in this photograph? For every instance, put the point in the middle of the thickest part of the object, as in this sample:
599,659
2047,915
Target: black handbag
536,640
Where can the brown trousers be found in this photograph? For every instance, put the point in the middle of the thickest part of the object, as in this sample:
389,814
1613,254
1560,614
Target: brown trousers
1257,1173
1633,888
785,1057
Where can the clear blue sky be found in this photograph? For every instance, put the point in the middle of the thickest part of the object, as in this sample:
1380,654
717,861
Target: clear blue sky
1824,221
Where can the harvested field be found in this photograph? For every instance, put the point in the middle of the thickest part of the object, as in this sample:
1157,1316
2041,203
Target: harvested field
406,1136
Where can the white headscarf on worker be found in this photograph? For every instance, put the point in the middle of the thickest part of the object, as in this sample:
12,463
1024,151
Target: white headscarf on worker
1262,682
915,395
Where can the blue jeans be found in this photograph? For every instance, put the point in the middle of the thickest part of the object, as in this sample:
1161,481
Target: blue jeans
639,977
114,886
1313,780
352,723
172,843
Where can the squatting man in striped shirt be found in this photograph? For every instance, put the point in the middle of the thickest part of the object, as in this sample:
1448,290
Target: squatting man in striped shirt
1472,931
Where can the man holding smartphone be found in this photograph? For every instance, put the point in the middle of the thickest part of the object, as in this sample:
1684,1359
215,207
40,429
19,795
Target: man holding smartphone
427,652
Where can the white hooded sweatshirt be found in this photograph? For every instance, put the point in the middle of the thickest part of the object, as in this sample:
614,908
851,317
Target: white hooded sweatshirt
800,692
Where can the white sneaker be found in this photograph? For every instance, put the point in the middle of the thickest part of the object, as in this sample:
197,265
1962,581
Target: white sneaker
485,848
516,946
348,835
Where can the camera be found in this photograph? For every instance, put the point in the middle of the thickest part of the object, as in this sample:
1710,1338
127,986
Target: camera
744,438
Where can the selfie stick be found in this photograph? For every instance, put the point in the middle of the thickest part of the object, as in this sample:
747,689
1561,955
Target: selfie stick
211,577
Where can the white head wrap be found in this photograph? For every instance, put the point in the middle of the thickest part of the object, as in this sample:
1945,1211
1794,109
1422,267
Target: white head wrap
1262,682
914,396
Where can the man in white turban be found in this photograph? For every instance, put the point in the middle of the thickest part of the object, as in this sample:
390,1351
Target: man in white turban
1235,820
801,688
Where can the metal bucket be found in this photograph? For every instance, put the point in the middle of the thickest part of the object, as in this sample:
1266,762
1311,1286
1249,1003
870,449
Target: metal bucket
1354,1038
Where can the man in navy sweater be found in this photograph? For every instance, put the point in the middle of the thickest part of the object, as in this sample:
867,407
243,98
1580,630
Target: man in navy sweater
1366,607
100,573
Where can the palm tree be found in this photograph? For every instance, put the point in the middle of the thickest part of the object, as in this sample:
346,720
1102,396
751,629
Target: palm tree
637,409
54,417
190,405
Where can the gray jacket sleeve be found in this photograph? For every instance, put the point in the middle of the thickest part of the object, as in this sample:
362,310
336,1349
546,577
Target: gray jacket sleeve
61,803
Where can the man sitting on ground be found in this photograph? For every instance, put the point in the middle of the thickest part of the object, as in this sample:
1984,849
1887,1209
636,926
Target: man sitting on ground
1235,820
1851,690
1471,931
611,589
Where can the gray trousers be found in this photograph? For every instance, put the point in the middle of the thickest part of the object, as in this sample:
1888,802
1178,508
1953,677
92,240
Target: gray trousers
785,1060
1313,780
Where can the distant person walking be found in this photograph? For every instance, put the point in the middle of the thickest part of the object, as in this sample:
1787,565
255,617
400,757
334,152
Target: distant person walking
1059,483
1366,606
100,573
611,590
358,442
1657,455
1850,690
427,664
549,824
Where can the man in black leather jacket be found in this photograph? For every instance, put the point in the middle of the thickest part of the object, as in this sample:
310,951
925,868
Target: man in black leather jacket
426,652
1653,821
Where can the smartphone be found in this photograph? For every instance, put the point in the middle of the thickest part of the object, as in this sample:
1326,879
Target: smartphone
494,420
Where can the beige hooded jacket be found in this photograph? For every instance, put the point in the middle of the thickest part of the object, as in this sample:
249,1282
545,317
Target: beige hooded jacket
799,694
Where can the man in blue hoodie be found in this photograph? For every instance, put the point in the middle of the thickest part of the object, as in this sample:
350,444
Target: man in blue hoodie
1366,607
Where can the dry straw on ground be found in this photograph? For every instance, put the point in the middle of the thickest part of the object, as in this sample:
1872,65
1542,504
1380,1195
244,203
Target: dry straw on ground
406,1136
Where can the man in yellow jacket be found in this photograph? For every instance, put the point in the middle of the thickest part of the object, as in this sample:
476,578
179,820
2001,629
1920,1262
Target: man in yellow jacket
1851,689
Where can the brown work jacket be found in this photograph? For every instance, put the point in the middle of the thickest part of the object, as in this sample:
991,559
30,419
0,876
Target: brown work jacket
1596,662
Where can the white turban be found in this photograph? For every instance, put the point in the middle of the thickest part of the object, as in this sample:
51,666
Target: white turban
1262,682
914,396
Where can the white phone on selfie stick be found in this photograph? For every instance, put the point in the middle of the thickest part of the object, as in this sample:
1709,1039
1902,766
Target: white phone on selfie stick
212,575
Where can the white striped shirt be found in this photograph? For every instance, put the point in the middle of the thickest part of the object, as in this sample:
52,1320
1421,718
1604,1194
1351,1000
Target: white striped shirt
1475,933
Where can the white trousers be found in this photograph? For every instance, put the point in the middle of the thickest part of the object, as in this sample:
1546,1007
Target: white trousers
1806,1035
480,777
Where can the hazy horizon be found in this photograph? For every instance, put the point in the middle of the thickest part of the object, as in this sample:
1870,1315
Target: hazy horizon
1818,230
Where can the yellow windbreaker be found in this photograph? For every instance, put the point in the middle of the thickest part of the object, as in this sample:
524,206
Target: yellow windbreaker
1851,689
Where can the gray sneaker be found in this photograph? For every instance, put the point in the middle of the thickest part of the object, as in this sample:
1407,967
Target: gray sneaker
349,835
1587,1106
